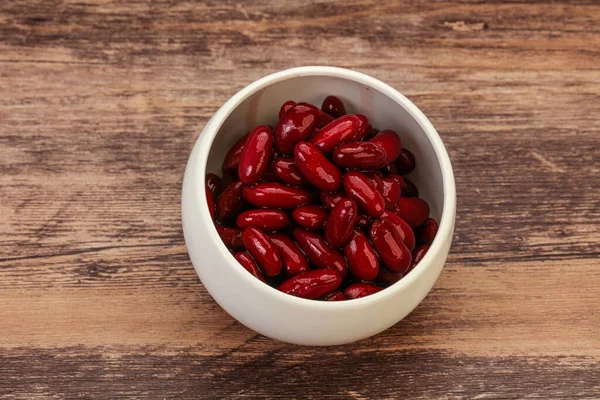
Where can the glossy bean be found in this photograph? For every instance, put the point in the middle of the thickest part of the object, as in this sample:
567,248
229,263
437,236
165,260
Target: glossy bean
230,202
256,155
358,186
341,221
389,169
364,128
310,216
333,106
363,221
232,158
231,237
312,284
264,219
404,229
406,162
295,126
389,245
335,296
362,258
262,250
358,290
387,278
294,261
319,252
335,133
287,171
285,107
276,195
248,263
329,200
316,168
413,210
211,202
360,155
214,184
324,119
390,141
392,190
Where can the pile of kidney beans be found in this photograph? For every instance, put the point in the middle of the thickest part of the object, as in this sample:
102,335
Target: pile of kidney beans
318,207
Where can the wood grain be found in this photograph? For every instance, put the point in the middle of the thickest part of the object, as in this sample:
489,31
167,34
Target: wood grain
101,102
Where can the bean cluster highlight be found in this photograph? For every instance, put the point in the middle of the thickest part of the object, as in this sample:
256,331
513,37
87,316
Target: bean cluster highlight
318,206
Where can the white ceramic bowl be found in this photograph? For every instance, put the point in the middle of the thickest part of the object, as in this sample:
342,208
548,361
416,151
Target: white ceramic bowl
265,309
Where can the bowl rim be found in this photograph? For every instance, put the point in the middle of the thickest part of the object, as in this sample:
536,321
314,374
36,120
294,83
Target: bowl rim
446,224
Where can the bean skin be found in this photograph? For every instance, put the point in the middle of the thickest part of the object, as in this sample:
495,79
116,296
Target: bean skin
211,203
232,159
404,229
230,202
316,168
364,128
295,126
214,184
409,189
231,237
413,210
359,155
276,195
335,133
362,258
405,162
418,254
256,155
329,200
390,141
319,252
262,250
312,284
287,171
285,107
358,186
333,106
335,296
294,261
358,290
264,219
341,221
428,231
387,242
311,216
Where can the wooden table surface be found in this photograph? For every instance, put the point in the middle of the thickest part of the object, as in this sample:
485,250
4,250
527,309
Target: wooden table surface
101,102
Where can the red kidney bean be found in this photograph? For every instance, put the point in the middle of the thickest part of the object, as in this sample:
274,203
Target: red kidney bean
391,144
335,296
358,186
391,192
387,278
359,290
332,105
363,221
418,254
285,107
428,231
311,217
211,203
360,155
262,250
335,133
256,155
340,223
276,195
404,229
312,284
287,170
295,126
248,263
294,261
317,169
329,200
376,180
409,189
364,128
362,258
413,210
213,183
370,134
389,245
232,159
319,252
230,202
324,120
231,237
264,219
405,162
270,175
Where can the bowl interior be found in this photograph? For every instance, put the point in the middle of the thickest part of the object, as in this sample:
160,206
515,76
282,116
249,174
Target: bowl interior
262,107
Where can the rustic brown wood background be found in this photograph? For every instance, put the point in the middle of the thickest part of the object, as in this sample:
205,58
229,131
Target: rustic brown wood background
101,102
